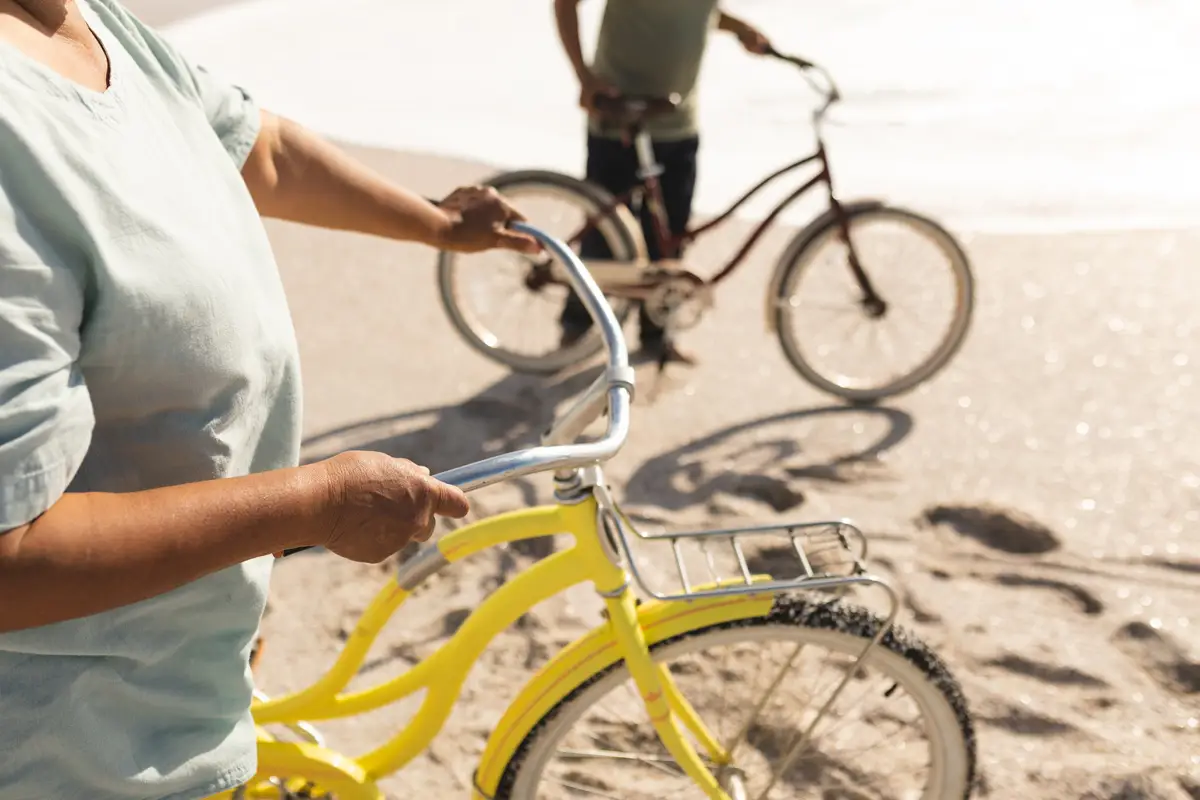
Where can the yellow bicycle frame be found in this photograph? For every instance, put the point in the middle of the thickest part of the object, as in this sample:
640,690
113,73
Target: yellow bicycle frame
629,631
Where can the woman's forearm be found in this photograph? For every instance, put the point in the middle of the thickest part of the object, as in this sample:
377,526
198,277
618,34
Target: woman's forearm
296,175
730,23
566,17
93,552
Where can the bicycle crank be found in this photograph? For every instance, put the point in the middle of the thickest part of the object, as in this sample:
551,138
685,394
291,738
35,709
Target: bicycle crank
678,302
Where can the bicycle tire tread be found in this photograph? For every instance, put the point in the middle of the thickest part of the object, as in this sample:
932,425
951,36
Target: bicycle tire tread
832,615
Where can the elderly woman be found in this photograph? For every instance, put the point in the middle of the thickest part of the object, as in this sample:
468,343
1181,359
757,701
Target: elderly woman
150,401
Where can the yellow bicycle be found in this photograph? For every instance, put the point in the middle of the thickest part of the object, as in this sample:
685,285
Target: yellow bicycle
835,701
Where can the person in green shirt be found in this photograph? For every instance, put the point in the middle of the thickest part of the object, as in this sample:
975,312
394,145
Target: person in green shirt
645,47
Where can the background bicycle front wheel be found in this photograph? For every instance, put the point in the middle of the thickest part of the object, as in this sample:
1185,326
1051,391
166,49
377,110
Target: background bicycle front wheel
846,343
900,727
500,301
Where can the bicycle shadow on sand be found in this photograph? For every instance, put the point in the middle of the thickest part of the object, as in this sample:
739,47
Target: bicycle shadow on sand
509,414
770,460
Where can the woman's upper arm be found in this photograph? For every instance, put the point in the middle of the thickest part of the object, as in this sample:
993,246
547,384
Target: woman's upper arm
46,416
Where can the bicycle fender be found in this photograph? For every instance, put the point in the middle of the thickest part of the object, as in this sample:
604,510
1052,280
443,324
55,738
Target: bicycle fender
799,242
590,655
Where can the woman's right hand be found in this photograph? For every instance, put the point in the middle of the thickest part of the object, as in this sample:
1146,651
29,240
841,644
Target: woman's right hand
378,504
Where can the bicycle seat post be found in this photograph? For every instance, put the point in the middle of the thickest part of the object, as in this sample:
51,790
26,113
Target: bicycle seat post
643,145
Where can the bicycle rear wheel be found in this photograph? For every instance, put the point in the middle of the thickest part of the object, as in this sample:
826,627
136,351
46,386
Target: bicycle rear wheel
598,741
919,271
499,301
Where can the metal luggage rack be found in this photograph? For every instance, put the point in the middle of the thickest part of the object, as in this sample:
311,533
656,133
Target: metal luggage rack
823,556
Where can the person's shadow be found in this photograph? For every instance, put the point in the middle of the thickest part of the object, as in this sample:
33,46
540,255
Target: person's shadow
769,459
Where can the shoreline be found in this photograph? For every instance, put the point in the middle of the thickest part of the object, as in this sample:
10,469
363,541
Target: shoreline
1029,224
1058,155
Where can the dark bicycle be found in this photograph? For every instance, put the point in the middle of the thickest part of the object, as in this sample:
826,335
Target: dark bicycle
834,260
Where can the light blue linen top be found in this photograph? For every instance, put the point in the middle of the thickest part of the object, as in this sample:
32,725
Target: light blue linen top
145,341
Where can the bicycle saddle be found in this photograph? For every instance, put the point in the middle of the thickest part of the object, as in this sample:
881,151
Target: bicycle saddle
632,108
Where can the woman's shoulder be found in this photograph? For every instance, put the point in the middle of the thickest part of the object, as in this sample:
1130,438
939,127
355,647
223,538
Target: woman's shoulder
113,11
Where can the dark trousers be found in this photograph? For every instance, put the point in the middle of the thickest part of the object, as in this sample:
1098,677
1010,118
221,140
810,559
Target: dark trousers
613,165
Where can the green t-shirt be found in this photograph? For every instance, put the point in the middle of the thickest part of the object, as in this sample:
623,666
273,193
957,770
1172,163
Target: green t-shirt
655,47
145,341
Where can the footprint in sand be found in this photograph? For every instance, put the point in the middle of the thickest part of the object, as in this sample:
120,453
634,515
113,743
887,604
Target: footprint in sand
996,528
1157,784
1047,673
1087,602
1162,658
1024,722
1177,565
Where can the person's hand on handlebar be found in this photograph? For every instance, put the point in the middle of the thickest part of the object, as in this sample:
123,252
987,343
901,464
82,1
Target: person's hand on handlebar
478,219
377,504
752,38
754,41
594,89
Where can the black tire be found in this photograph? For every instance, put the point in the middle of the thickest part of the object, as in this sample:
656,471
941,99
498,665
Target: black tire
802,253
833,619
620,232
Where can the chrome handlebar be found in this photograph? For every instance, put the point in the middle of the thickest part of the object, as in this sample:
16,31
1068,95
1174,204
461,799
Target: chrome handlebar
612,390
829,90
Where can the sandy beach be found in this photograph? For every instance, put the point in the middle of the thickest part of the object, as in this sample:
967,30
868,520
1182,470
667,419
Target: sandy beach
1036,504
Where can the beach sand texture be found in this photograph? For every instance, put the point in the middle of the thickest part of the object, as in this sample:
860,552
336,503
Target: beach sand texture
1036,504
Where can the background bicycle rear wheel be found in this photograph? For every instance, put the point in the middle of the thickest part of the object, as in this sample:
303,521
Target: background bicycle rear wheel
495,308
899,728
915,265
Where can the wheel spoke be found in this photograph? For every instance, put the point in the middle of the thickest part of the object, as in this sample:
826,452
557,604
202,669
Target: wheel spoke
793,725
916,266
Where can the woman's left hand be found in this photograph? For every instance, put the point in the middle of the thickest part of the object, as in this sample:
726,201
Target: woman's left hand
479,219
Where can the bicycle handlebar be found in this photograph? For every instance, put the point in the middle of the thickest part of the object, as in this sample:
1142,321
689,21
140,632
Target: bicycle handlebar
829,90
611,391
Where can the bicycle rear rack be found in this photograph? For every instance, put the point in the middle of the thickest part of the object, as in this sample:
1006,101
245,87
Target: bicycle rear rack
822,556
812,556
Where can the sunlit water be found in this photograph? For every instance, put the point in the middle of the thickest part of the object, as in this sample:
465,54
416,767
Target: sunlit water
993,114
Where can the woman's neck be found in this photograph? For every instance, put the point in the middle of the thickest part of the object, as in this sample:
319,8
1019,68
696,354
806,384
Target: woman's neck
50,15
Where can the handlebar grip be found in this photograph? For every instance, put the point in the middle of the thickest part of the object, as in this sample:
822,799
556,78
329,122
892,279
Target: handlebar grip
802,63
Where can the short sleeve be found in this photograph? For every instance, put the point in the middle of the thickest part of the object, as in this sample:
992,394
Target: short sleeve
231,110
46,417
